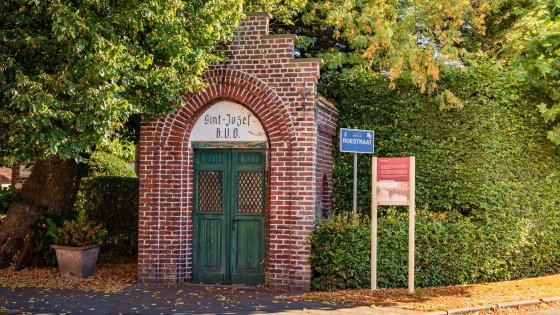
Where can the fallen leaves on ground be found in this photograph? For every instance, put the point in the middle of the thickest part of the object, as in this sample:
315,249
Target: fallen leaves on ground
441,298
523,310
107,277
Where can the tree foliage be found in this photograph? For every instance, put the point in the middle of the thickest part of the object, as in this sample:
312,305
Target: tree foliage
71,72
406,38
504,30
281,10
500,39
539,61
121,148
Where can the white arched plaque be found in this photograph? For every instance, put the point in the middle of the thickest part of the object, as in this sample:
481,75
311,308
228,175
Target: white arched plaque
228,125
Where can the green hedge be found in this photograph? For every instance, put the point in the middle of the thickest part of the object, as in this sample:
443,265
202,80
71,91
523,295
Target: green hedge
450,249
113,201
492,155
487,183
8,195
104,164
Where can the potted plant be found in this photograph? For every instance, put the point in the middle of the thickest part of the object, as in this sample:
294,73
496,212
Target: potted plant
82,240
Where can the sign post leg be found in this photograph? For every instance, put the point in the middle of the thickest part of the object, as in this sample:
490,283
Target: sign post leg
355,185
411,219
374,223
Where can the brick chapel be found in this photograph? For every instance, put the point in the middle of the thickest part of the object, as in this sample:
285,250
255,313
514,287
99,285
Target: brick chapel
232,183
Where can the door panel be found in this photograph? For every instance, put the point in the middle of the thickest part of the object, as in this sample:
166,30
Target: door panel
248,245
256,158
247,252
210,221
229,216
210,231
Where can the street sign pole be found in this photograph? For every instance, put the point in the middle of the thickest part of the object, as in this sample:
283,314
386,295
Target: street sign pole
355,184
355,199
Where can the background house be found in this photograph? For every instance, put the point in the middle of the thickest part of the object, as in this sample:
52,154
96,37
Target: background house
5,175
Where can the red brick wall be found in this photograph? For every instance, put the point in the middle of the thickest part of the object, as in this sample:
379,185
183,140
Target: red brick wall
263,76
327,123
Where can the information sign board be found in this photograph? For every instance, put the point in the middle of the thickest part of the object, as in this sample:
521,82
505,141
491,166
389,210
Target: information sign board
393,177
24,171
356,140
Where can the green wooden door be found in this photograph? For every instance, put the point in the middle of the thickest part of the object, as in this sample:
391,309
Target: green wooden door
229,216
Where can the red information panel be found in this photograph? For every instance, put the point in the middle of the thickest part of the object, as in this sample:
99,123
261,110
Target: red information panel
393,179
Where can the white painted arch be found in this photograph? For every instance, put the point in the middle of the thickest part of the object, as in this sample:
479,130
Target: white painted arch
228,124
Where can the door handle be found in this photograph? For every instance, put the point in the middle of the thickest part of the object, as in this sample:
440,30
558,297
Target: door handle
233,223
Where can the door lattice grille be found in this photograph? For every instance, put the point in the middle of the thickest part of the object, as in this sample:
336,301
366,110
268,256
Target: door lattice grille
249,192
210,185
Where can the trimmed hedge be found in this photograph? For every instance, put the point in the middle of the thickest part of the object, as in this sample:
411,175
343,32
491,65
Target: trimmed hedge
450,249
8,195
104,164
487,183
113,201
492,155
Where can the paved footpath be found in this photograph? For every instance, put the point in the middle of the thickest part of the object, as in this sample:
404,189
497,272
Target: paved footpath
174,299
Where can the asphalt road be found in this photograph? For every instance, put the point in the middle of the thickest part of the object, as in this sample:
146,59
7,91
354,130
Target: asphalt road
170,299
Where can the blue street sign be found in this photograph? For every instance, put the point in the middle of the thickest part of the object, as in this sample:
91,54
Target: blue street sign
355,140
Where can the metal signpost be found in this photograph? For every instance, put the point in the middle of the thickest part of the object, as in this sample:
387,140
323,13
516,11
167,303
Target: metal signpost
392,183
356,141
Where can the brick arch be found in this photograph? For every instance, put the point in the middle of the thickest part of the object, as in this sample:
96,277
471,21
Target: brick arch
238,86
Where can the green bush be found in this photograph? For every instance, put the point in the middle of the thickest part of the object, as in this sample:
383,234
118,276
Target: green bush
120,148
450,249
47,228
492,155
487,181
8,195
104,164
340,253
112,201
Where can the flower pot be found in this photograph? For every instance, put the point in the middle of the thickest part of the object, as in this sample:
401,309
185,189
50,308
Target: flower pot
76,262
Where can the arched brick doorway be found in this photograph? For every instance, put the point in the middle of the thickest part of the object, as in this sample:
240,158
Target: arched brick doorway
262,76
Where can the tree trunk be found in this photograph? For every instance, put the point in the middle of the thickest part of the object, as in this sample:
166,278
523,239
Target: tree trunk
53,183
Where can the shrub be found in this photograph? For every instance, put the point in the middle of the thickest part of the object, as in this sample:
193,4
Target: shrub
8,195
341,253
47,228
492,155
450,249
81,232
104,164
120,148
112,201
